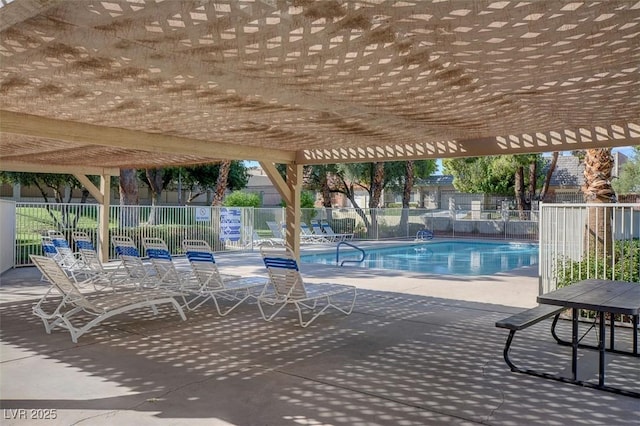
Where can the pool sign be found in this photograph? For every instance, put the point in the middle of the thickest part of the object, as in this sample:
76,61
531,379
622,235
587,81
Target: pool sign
203,214
230,224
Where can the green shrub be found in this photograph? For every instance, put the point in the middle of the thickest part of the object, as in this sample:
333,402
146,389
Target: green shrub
625,268
242,199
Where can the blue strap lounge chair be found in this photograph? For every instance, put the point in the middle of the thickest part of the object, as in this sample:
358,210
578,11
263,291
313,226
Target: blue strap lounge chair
287,287
69,312
211,285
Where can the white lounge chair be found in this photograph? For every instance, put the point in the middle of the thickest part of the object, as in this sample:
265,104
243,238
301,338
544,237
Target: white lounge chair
49,250
137,272
212,285
288,287
56,247
337,236
257,240
252,239
101,306
316,229
308,236
67,255
276,229
167,273
95,270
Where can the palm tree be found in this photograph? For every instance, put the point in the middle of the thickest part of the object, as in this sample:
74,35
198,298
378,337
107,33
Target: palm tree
221,183
597,189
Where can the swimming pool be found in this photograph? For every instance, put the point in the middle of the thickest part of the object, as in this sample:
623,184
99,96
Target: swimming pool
447,257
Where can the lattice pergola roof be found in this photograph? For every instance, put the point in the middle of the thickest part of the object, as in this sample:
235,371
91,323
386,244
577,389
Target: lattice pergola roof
146,83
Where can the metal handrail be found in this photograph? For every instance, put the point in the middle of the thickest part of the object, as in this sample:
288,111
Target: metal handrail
350,245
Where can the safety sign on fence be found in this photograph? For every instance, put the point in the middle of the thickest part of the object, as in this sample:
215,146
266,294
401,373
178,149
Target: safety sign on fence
230,224
203,214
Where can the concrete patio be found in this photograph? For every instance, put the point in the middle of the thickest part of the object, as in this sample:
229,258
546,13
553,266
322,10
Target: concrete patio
417,350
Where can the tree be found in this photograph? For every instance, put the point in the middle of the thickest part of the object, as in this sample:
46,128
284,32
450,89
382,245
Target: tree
547,178
128,186
57,183
156,180
516,175
199,179
373,178
597,189
628,181
405,173
525,193
221,183
348,178
226,175
482,175
317,178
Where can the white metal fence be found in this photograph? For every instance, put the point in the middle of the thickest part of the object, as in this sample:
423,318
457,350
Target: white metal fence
7,234
176,223
582,241
561,228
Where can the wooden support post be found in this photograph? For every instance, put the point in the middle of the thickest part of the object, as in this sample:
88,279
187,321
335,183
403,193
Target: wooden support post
103,219
290,190
292,214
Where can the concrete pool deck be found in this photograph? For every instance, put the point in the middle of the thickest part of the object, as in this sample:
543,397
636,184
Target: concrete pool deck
417,350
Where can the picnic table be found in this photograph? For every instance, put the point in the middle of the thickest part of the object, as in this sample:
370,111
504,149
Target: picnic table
603,297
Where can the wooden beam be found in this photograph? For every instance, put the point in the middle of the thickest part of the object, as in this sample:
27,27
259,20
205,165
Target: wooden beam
283,189
93,190
19,166
42,127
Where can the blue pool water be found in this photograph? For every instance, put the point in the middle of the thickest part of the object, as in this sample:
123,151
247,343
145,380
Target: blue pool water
450,257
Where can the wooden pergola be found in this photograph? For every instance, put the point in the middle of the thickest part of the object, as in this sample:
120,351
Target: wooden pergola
89,87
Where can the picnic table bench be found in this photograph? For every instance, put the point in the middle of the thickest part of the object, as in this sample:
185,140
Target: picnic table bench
523,320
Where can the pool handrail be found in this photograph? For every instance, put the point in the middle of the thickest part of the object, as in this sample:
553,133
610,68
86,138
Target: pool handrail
364,255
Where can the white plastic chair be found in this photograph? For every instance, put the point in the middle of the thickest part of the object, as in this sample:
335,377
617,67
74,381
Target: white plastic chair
288,287
212,285
101,307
